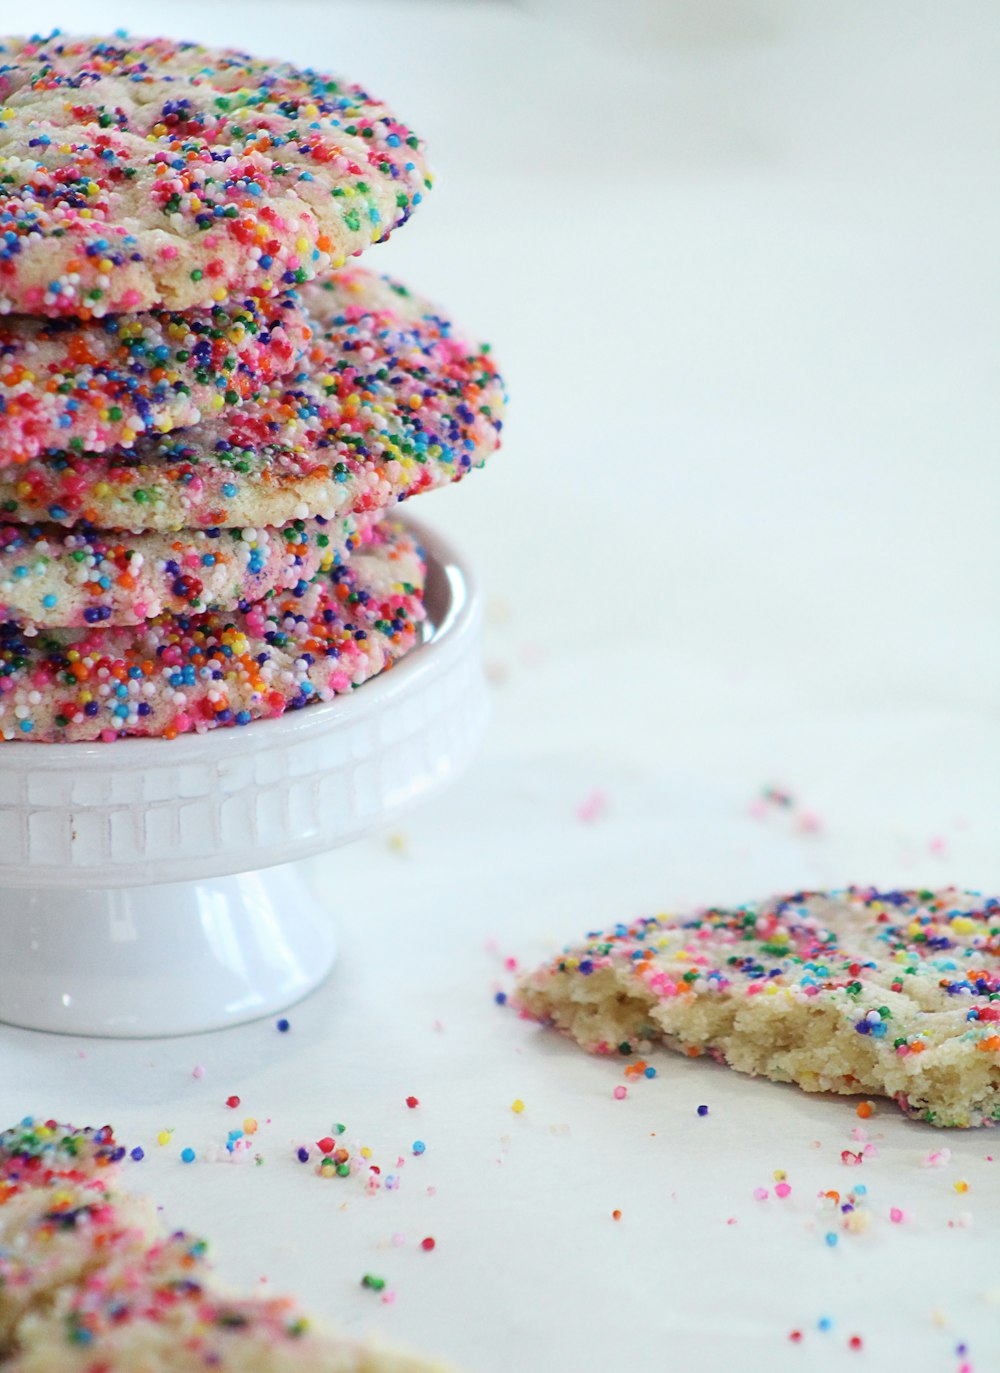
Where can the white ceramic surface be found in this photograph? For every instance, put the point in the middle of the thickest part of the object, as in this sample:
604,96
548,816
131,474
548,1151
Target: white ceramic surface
135,898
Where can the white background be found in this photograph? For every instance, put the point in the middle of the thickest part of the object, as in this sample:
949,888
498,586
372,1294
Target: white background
738,261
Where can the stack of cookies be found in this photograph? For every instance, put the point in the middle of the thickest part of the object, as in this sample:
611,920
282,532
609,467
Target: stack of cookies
204,415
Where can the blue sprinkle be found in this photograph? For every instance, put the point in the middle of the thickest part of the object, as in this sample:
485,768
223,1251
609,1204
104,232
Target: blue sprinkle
187,1155
283,1025
137,1154
419,1146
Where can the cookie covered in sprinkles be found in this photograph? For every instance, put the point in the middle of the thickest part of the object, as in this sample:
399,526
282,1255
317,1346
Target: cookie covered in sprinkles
90,387
389,401
57,578
889,993
183,673
150,172
90,1280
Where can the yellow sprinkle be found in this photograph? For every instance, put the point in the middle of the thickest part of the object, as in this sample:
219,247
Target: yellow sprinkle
366,1152
164,1136
301,244
780,1174
961,1185
517,1106
250,1126
311,110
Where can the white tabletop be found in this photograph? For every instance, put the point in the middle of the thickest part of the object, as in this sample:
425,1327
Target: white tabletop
738,262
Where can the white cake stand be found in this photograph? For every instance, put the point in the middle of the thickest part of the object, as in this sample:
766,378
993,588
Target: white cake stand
140,886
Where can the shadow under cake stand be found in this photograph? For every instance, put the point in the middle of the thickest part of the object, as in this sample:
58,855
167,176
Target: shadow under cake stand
140,886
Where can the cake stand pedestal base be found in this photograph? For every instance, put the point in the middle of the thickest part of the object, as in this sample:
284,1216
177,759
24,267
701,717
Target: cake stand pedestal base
173,958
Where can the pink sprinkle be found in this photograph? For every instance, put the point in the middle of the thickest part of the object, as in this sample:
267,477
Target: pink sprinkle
850,1160
783,1189
388,1298
731,1220
937,1158
620,1094
197,1071
938,845
592,807
131,299
896,1215
510,964
169,252
760,1194
809,822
